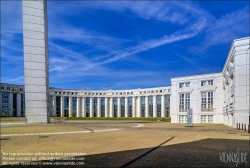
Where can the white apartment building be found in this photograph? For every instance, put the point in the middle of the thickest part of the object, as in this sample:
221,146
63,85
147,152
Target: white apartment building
214,98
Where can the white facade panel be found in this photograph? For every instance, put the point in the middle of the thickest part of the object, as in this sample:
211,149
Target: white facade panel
33,27
34,58
35,96
33,19
35,65
35,73
34,4
36,104
33,11
34,43
33,34
34,50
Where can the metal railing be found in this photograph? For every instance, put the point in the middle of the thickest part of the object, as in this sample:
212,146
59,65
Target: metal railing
182,110
207,109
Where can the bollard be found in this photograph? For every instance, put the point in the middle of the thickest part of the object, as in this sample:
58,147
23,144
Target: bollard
249,129
245,127
237,126
242,126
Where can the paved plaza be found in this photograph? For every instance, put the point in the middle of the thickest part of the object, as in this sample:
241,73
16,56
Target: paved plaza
124,144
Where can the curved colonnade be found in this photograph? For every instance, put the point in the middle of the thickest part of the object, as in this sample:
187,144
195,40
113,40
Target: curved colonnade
151,102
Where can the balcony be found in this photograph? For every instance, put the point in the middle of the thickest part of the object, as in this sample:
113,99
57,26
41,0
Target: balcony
232,90
207,109
182,110
226,80
231,72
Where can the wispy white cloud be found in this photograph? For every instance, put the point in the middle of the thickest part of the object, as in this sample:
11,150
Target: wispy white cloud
225,30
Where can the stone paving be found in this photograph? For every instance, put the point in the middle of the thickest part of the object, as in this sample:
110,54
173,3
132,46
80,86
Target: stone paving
125,144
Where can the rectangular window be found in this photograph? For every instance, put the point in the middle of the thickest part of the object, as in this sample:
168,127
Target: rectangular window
210,118
2,87
184,102
187,84
203,83
210,82
207,101
182,118
203,118
181,85
207,118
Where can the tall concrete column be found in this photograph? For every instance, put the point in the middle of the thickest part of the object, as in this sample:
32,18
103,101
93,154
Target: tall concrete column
51,105
10,105
146,107
118,107
99,103
78,107
62,106
18,104
1,103
83,107
106,107
91,107
99,107
154,106
54,106
163,106
70,107
36,72
126,106
138,106
134,107
111,107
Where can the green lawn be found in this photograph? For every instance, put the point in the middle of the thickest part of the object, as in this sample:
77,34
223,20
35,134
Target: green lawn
166,119
11,118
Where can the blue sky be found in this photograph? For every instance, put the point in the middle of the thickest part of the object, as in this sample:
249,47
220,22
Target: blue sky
126,45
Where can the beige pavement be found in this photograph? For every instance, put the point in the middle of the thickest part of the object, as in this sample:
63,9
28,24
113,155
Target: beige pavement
128,145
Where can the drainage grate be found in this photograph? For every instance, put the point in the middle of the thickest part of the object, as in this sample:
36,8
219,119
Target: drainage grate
231,133
43,136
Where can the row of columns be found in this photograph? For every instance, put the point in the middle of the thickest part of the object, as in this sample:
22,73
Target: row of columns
109,106
10,104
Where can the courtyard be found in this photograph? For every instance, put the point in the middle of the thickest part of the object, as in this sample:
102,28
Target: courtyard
123,144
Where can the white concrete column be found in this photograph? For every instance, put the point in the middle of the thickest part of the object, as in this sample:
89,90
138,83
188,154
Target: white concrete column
111,107
118,107
146,107
78,107
229,119
138,106
18,104
62,106
154,106
70,107
99,107
54,106
163,106
51,105
91,107
1,103
10,105
106,106
83,107
134,107
126,106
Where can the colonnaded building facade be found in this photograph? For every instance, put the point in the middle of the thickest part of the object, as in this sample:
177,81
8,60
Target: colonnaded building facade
215,98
